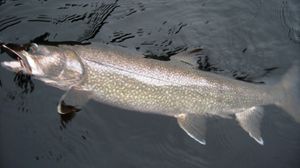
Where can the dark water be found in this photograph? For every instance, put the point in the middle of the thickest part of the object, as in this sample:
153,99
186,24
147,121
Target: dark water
251,40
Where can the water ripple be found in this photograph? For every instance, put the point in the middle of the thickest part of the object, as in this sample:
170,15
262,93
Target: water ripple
10,21
96,19
121,36
2,2
86,18
290,16
71,5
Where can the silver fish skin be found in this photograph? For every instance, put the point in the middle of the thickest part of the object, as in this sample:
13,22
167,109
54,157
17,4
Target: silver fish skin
128,80
124,78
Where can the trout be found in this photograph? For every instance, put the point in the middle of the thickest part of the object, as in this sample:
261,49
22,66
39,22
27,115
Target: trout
125,78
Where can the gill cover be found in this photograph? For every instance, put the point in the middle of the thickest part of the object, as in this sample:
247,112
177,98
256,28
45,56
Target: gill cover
55,65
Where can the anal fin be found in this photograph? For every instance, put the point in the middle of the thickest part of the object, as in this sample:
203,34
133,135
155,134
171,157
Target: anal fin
73,100
194,125
250,121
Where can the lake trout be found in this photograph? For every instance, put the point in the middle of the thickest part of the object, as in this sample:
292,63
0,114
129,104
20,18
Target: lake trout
124,78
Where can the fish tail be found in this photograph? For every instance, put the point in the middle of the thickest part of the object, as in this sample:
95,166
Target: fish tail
288,92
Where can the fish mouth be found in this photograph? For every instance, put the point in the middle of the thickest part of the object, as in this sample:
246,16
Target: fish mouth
21,63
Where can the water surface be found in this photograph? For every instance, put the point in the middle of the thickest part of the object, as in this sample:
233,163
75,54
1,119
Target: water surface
251,40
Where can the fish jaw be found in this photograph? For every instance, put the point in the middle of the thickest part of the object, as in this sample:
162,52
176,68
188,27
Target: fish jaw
14,66
27,66
19,55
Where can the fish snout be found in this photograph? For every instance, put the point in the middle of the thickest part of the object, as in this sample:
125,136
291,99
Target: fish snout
20,56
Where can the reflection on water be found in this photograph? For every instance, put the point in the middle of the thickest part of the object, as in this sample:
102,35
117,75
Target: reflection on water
254,41
10,21
24,82
64,119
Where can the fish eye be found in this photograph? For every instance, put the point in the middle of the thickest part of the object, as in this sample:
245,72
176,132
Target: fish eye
36,49
33,48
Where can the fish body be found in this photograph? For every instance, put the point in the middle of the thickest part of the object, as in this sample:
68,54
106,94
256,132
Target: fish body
128,80
124,78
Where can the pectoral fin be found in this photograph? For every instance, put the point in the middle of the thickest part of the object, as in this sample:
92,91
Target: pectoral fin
250,121
194,125
73,100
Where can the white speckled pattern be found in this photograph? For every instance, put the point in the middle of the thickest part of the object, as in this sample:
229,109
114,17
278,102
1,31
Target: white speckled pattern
126,79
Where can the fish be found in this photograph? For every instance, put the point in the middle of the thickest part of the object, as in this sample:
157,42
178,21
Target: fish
124,78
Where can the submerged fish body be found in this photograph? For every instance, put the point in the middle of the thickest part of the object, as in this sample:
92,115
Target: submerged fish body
124,78
149,85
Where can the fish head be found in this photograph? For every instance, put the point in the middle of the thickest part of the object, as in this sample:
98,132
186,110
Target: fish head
54,65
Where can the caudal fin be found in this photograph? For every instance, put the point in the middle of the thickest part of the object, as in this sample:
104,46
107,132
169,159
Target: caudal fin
288,92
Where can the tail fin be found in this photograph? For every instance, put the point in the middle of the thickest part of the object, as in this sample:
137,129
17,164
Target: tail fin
289,92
